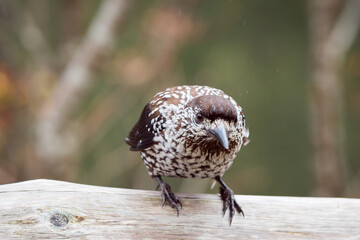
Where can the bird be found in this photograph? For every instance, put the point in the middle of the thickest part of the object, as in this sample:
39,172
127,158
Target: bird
190,132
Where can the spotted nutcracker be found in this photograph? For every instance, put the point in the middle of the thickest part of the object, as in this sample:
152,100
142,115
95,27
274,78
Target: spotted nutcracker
190,132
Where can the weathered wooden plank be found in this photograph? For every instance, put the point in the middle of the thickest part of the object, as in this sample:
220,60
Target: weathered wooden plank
48,209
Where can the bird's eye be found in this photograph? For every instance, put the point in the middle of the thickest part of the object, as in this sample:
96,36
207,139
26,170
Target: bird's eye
199,117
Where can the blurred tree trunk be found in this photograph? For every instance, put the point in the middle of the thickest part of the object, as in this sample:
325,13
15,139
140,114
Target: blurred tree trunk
333,25
53,141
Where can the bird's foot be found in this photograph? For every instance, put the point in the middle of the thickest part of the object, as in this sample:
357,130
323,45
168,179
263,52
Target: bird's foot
229,202
168,196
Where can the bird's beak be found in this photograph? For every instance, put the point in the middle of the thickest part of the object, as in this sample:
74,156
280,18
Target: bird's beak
220,133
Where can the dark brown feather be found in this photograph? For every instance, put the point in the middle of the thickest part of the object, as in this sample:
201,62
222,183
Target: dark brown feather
141,136
213,107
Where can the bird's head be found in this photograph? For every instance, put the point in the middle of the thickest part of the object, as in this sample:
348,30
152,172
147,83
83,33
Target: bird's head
216,121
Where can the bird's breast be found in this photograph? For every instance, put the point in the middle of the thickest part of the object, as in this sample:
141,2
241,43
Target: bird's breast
174,158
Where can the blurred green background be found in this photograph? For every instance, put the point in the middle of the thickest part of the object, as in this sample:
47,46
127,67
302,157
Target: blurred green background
256,51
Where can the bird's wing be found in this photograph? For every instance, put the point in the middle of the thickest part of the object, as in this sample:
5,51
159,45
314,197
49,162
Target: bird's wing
141,136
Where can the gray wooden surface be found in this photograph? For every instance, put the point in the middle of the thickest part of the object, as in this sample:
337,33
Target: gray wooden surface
48,209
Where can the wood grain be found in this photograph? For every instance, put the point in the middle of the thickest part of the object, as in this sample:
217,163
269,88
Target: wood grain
48,209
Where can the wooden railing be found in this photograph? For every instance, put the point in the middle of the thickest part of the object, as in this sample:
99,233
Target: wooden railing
48,209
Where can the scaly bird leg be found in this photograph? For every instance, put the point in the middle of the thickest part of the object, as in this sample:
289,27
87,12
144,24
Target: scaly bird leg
168,195
229,201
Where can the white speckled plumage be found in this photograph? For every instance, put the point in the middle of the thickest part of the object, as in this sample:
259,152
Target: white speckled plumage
174,128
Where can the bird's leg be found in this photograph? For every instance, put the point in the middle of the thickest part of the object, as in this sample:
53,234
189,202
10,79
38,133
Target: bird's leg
229,201
168,195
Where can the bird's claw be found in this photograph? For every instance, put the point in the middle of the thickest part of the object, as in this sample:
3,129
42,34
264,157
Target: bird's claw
229,202
169,196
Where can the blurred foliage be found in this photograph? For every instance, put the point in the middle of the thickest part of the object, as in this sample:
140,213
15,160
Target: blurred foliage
255,51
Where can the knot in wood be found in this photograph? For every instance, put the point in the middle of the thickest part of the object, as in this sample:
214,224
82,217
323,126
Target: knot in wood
59,220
